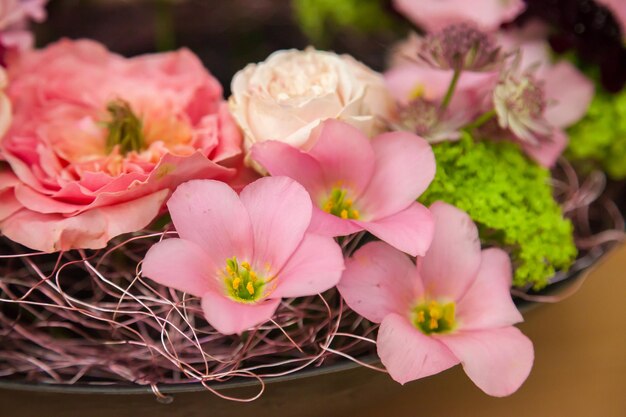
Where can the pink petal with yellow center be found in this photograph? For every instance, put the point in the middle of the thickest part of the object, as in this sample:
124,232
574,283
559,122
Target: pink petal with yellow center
407,353
91,229
210,214
280,159
451,263
410,230
231,317
379,280
181,264
326,224
488,303
314,267
498,361
345,155
280,213
405,166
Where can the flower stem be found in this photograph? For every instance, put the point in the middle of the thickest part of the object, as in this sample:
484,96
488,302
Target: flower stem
482,119
448,97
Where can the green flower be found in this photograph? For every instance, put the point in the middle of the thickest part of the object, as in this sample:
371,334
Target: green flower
510,199
599,139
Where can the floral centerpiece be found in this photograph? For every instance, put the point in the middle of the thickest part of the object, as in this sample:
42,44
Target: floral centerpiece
155,232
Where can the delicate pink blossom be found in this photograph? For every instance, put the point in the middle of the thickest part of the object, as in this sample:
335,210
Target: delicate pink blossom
98,141
567,93
357,184
453,307
433,15
242,254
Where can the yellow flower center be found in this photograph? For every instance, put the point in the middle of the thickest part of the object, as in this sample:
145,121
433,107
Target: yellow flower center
338,204
434,317
243,283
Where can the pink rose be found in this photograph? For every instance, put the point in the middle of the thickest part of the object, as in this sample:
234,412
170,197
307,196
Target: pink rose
98,141
288,95
433,15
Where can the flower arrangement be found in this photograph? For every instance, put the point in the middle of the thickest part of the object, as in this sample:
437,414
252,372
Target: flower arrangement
155,232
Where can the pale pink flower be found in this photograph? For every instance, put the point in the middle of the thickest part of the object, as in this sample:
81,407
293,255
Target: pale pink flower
433,15
290,93
357,184
242,254
98,141
453,307
567,93
14,17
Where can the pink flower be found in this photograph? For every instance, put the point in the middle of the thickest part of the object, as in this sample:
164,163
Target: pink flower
454,307
433,15
14,16
357,184
567,93
242,254
98,141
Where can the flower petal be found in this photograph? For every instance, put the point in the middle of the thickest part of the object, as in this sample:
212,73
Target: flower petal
571,91
91,229
230,317
345,155
326,224
379,280
452,261
315,267
179,264
410,230
488,303
547,152
280,212
210,214
280,159
407,353
497,360
405,166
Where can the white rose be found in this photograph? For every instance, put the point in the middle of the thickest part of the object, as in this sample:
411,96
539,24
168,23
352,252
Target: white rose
290,93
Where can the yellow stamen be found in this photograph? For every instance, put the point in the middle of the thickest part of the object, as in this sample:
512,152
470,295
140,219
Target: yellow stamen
420,317
236,283
250,288
253,276
328,207
417,92
355,214
344,214
348,202
433,324
245,265
230,271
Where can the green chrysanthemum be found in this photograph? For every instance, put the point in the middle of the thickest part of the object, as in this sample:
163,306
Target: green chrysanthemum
599,139
510,199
